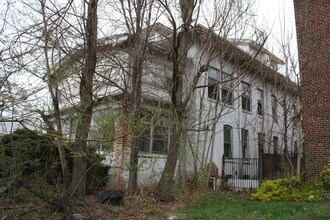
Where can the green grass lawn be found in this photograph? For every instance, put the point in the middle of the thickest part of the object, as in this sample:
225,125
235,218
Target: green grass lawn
226,205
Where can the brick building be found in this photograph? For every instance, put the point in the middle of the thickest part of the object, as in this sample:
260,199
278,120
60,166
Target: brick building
313,34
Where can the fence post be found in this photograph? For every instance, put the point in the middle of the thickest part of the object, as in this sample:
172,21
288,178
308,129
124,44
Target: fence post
223,178
260,166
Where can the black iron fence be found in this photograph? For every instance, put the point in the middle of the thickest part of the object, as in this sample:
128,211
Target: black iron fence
278,165
249,172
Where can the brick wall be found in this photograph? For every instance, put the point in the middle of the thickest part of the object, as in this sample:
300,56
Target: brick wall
313,34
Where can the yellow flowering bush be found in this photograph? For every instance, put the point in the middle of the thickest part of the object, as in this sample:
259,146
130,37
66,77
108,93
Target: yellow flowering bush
287,189
325,177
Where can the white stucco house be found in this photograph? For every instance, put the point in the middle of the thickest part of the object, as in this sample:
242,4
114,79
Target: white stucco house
241,107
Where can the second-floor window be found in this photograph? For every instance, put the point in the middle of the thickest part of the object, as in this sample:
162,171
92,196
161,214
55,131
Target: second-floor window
156,73
213,90
220,86
246,96
226,88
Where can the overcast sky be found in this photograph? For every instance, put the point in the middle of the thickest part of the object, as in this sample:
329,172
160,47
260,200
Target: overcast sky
277,18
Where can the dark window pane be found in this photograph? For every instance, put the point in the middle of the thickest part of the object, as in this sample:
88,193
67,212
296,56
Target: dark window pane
246,103
227,96
227,140
159,146
227,150
213,91
144,145
260,110
160,140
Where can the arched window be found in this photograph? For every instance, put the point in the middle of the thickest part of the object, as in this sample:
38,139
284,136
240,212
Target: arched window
227,140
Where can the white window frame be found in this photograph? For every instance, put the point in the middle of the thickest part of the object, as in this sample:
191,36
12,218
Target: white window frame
260,103
230,152
156,73
220,81
152,136
246,96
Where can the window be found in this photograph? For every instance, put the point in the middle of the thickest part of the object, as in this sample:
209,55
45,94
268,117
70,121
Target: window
159,141
102,130
260,108
275,145
220,86
261,142
213,83
245,135
246,97
274,108
226,90
156,73
155,136
227,132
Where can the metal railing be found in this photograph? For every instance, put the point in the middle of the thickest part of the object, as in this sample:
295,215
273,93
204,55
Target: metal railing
249,172
241,172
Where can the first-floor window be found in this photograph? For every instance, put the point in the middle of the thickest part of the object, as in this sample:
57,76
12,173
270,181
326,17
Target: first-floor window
155,136
245,135
227,132
102,131
159,139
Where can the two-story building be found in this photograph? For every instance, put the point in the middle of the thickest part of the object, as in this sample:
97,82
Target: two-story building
240,108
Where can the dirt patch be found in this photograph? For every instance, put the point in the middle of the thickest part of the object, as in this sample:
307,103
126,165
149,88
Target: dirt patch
142,205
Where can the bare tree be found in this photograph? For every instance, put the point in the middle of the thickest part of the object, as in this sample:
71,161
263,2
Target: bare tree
137,15
78,184
186,33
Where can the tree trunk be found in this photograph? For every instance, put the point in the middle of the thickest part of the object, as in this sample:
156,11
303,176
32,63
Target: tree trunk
179,57
139,41
64,202
78,183
164,191
136,107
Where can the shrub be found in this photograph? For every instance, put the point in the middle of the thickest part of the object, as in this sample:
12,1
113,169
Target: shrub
98,173
34,157
287,189
26,154
325,178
